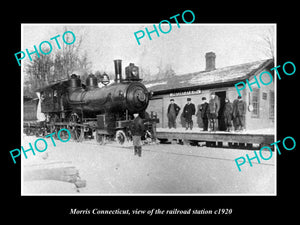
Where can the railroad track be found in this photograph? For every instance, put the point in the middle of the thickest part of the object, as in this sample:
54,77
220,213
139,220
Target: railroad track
188,154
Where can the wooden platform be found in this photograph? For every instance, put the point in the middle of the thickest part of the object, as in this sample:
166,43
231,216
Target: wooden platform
218,136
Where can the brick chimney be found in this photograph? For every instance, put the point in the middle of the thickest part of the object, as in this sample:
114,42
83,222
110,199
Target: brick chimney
210,61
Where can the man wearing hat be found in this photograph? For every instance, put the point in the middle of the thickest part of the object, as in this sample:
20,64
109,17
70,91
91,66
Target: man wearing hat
227,114
204,109
137,129
173,111
239,111
188,111
214,106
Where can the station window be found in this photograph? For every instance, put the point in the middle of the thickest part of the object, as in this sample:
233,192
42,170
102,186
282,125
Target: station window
272,105
255,103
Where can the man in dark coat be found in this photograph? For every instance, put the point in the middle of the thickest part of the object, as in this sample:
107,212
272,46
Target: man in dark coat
198,115
227,113
173,111
239,111
137,129
214,107
204,110
188,111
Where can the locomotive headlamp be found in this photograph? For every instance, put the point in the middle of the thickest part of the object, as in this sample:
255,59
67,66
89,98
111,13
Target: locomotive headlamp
134,72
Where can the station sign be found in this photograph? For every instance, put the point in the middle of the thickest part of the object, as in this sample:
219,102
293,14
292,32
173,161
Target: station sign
183,93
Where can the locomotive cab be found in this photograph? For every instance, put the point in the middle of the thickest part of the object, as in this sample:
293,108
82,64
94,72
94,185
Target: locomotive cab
53,99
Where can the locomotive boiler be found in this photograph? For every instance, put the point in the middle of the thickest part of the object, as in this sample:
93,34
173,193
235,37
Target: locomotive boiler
123,95
88,110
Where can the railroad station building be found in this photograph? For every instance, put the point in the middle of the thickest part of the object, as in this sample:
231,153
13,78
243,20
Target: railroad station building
260,115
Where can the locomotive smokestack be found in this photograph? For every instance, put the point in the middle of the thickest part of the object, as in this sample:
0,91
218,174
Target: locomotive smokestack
118,70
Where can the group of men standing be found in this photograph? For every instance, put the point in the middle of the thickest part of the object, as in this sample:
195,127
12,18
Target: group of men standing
208,111
188,111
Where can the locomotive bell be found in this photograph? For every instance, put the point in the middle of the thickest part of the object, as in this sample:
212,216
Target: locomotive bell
118,70
105,79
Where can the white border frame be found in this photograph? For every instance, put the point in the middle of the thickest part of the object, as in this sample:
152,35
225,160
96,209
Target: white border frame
154,194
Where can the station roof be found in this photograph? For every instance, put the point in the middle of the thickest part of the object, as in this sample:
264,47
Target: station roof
226,76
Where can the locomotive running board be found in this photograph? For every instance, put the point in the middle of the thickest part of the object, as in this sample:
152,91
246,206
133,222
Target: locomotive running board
91,124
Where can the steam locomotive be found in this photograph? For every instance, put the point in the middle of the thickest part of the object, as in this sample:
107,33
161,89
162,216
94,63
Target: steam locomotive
88,110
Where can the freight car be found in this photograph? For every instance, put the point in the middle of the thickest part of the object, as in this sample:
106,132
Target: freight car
86,109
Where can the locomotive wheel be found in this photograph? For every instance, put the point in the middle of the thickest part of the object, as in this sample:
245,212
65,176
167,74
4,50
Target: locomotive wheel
64,134
53,128
37,132
148,137
121,137
77,132
100,138
26,131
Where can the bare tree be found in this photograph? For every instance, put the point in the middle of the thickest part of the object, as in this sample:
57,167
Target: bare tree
58,65
268,43
169,72
38,70
164,71
145,73
70,54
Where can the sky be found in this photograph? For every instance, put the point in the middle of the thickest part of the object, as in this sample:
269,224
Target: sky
183,48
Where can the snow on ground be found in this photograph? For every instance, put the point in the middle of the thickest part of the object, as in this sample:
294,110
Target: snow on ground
162,169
